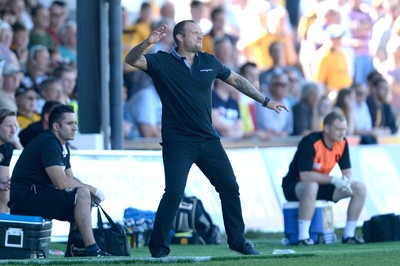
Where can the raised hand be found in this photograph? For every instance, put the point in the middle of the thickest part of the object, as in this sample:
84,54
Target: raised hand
157,34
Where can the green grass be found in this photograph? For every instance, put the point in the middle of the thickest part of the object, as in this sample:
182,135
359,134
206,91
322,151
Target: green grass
333,254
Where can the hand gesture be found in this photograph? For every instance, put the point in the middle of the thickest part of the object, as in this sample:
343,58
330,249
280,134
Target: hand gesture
157,34
276,106
5,183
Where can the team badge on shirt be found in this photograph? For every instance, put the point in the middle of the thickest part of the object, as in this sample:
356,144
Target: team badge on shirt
1,157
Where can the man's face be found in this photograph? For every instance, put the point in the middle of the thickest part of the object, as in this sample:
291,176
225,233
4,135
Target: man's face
337,131
193,38
8,129
27,101
68,127
53,92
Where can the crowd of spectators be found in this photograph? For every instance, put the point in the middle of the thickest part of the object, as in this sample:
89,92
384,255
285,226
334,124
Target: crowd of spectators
338,55
38,62
331,55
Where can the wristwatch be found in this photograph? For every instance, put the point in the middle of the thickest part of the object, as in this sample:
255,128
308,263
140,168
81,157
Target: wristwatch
266,101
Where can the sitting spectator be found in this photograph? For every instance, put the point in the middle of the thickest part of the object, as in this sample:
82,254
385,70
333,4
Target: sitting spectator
43,183
68,76
37,67
218,31
11,80
20,44
68,43
8,128
143,109
6,37
383,120
324,108
225,113
26,102
330,64
51,89
21,12
305,112
309,178
345,102
362,123
360,25
34,129
295,83
277,53
247,106
41,22
276,124
58,11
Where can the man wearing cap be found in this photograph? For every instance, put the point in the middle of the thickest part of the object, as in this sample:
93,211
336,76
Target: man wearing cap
10,80
26,102
331,65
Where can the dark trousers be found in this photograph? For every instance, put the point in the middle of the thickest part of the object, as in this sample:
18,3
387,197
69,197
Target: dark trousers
210,157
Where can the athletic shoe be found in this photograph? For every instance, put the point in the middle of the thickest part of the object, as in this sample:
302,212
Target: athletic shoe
306,242
160,253
99,253
247,249
353,240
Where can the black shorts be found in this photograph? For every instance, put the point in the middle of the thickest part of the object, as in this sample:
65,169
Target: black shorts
325,192
47,202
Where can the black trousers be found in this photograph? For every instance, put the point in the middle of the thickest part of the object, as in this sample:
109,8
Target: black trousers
211,158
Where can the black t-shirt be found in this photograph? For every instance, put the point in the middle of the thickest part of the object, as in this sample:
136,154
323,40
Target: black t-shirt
42,152
6,152
185,94
31,132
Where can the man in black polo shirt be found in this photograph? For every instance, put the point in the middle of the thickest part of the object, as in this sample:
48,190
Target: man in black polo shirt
183,80
43,183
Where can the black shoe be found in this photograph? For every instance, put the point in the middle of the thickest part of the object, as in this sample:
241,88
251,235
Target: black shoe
160,253
306,242
99,253
353,240
247,249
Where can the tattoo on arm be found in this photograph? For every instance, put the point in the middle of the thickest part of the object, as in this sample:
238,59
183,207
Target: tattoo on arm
245,87
135,56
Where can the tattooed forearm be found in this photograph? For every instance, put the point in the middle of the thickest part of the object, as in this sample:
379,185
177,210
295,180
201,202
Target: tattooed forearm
135,55
244,86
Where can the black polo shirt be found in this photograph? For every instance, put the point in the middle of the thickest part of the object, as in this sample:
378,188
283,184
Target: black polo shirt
185,94
42,152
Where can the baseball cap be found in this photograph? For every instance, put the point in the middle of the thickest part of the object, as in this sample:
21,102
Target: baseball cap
335,30
22,89
10,69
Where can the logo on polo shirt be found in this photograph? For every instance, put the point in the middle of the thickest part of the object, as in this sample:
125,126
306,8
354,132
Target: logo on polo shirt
1,157
206,70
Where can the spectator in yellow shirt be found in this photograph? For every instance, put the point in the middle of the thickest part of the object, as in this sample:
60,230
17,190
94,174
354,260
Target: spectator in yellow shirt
331,66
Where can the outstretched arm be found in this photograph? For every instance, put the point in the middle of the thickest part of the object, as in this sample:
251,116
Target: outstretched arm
244,86
135,56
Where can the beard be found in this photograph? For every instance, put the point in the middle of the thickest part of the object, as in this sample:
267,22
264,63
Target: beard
197,47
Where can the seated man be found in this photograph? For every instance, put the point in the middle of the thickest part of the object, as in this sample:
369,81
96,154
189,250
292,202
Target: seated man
308,178
43,184
8,129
